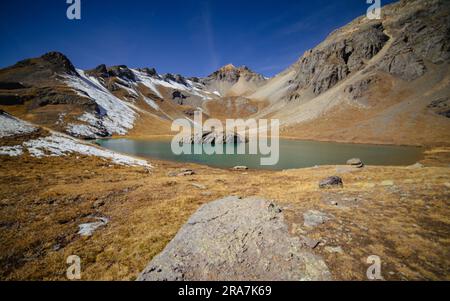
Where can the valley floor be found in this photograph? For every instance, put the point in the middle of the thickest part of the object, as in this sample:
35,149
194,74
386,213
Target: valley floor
400,214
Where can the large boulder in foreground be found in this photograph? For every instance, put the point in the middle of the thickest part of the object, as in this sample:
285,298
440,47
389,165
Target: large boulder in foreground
233,239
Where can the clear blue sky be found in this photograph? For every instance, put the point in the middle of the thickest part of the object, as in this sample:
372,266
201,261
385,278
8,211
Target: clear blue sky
190,37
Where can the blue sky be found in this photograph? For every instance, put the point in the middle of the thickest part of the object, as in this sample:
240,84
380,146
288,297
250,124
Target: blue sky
190,37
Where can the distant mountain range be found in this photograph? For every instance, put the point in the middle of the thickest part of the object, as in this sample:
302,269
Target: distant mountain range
385,81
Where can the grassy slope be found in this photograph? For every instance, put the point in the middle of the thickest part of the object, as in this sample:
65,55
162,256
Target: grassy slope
42,202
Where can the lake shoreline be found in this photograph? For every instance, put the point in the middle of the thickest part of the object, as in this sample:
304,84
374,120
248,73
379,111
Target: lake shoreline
293,154
340,141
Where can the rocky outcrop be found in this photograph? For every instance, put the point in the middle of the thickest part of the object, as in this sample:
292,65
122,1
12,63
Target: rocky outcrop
420,31
149,71
178,95
213,138
332,61
99,71
233,239
331,182
122,72
175,78
360,88
60,63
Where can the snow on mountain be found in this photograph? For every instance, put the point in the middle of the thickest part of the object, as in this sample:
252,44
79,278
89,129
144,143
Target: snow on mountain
152,103
11,126
54,145
63,145
147,81
153,82
115,116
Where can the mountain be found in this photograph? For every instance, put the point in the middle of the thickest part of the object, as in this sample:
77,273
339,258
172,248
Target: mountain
234,81
371,81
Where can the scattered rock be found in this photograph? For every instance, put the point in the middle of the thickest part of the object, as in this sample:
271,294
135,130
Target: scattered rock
89,228
186,173
240,168
181,173
314,218
239,240
330,182
355,163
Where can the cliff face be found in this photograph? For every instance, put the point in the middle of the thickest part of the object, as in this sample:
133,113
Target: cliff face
421,33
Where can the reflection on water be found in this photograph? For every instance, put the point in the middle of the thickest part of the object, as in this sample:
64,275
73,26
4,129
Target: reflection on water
293,154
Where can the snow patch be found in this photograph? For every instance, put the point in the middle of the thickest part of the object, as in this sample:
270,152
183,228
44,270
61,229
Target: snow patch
62,145
146,81
89,228
81,130
151,103
12,151
10,126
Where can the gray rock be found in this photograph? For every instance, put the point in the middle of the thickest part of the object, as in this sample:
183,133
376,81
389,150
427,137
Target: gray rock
181,173
314,218
403,63
240,168
335,59
355,163
330,182
234,239
186,173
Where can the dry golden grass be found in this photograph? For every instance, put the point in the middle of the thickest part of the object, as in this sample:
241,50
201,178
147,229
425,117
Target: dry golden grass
42,202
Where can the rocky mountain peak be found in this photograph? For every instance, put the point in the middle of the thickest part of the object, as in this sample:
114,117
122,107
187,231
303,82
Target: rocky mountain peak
149,71
122,72
59,62
99,71
229,67
232,73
